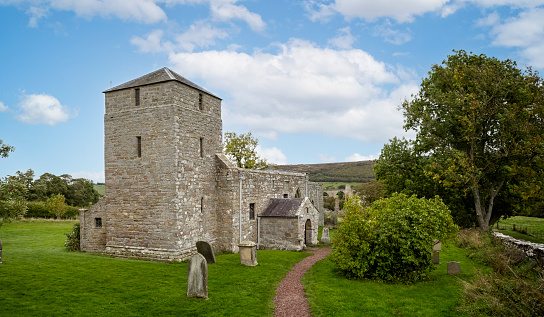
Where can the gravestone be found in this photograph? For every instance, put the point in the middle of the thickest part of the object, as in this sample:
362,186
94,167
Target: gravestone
206,250
197,277
248,253
437,245
436,257
454,268
325,236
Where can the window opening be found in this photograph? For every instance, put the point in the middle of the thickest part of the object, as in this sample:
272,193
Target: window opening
202,204
252,211
137,96
200,106
98,222
201,146
139,146
285,195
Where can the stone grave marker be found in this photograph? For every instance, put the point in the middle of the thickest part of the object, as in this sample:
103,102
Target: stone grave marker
206,250
436,257
197,277
437,245
248,253
454,268
325,236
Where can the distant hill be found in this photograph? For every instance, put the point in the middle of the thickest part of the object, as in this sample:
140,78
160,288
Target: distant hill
347,172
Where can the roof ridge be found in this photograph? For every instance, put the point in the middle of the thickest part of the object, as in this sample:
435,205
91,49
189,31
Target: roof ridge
168,71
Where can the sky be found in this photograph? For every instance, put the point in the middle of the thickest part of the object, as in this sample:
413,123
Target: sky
316,81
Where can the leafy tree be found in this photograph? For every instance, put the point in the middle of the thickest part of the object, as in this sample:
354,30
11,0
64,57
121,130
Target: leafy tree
81,193
57,205
5,149
242,149
480,121
26,179
48,185
392,240
370,192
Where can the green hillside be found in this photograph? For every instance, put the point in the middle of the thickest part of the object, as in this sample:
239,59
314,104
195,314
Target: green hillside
346,172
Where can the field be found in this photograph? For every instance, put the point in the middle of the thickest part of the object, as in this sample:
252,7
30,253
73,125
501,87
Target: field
531,225
101,189
39,277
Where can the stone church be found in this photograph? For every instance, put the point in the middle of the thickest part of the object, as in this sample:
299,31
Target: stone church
168,185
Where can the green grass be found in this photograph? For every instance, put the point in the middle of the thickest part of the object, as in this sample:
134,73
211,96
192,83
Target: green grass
521,236
529,222
330,294
39,277
101,189
334,185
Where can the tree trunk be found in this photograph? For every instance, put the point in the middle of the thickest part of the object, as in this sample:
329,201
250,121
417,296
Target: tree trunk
484,217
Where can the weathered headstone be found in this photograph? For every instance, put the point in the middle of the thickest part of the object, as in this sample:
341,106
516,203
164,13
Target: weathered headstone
436,257
325,236
206,250
197,277
248,253
454,268
437,245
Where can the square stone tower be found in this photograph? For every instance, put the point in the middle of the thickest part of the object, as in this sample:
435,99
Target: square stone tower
161,136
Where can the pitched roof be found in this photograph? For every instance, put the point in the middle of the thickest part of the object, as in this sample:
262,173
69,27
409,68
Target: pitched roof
282,207
162,75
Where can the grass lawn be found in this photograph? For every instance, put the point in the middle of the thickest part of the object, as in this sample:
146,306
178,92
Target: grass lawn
332,295
39,277
101,189
534,225
332,185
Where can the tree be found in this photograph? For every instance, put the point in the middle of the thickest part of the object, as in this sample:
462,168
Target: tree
242,149
12,200
392,240
370,192
57,205
5,149
480,121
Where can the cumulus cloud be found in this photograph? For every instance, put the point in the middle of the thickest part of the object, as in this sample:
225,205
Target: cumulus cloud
272,155
355,157
304,88
526,32
226,10
319,11
391,35
344,40
35,13
42,109
399,10
3,108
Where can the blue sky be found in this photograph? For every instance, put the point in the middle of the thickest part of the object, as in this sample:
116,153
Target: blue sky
315,81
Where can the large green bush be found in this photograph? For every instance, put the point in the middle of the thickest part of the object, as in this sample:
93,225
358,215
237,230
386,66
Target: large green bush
392,240
39,209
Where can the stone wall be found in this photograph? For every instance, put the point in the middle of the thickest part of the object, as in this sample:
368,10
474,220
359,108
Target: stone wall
534,250
93,238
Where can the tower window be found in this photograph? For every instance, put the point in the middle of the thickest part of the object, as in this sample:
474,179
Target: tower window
202,204
252,211
201,147
285,195
139,146
98,222
200,106
137,96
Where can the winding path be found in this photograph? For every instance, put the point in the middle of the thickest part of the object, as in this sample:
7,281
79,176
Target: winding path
290,299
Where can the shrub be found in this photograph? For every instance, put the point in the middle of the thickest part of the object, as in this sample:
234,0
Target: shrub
392,240
39,209
72,243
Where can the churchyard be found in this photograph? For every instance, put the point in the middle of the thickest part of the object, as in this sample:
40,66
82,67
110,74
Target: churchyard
39,277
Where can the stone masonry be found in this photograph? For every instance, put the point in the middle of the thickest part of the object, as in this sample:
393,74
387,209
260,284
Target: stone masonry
168,184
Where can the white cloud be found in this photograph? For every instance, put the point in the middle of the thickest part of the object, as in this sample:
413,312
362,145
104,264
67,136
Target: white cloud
344,40
226,10
319,11
355,157
400,10
272,155
42,109
96,177
3,108
36,13
490,20
152,43
525,32
390,35
304,88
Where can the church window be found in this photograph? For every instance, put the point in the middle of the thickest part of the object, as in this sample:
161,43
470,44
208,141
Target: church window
201,147
202,204
137,96
285,195
98,222
252,211
139,146
200,105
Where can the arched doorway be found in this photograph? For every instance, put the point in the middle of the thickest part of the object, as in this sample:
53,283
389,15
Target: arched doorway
308,232
297,194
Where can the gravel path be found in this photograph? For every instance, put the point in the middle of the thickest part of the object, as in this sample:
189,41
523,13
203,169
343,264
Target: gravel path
290,299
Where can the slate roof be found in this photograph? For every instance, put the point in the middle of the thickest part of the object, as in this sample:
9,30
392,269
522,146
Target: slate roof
282,207
159,76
